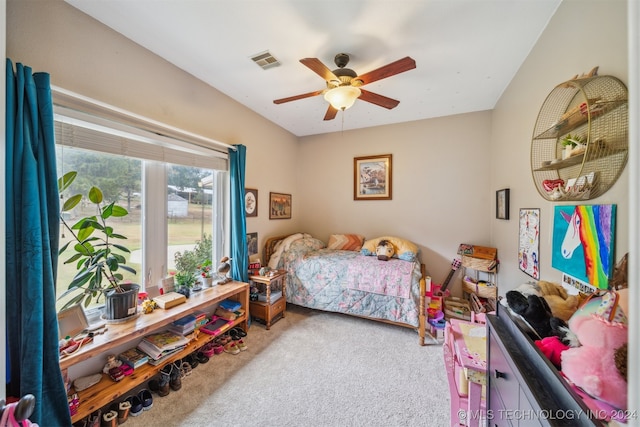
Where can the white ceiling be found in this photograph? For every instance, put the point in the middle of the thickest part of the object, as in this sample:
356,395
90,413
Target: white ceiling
466,51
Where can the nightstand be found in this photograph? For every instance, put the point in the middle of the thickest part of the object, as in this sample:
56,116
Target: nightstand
272,298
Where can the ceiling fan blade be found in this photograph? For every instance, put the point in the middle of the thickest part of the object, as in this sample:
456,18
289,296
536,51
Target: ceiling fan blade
296,97
331,113
397,67
320,69
380,100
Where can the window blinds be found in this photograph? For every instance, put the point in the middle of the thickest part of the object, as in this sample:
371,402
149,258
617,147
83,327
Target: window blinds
81,129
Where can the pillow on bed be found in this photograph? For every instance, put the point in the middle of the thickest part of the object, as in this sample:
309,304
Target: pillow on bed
405,249
345,242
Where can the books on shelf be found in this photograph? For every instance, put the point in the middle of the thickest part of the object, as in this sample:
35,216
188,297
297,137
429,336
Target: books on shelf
133,357
165,355
183,326
170,299
157,344
230,305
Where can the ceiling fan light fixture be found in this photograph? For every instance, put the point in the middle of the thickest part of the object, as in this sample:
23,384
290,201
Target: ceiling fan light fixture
342,97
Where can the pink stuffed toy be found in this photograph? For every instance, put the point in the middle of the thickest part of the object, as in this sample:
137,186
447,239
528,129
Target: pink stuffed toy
592,366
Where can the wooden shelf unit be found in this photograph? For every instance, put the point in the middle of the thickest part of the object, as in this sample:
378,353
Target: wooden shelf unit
107,391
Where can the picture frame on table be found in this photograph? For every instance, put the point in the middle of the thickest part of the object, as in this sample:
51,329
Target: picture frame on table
372,178
250,202
502,204
279,206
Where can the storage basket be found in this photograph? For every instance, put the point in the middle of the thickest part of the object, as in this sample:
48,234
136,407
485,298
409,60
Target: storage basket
487,265
457,308
480,288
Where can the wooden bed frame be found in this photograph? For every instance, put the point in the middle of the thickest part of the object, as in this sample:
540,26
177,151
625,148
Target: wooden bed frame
269,249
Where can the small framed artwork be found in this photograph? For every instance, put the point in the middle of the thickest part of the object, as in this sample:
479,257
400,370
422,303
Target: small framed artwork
372,177
529,242
250,202
279,206
252,243
502,204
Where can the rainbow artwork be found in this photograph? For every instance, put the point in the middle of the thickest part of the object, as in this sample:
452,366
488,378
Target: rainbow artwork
583,242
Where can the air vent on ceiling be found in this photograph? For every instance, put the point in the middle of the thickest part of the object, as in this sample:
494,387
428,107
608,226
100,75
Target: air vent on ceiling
265,60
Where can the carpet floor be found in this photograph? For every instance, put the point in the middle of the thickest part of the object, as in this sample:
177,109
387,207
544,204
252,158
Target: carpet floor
313,368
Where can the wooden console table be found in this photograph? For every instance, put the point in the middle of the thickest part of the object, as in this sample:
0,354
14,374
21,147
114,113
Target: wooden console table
107,391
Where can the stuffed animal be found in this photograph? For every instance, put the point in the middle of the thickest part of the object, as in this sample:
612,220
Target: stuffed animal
536,312
592,366
385,250
562,304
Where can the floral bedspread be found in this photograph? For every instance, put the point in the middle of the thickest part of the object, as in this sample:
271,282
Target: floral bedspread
351,283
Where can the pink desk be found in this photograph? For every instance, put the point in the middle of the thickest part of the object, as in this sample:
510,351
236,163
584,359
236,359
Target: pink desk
470,348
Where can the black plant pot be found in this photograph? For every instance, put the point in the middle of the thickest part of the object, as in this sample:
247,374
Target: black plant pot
121,305
184,291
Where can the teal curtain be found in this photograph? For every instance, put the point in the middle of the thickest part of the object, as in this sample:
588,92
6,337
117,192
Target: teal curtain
32,225
239,250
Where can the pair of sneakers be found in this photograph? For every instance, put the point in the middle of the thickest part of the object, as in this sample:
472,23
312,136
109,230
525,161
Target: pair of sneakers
141,402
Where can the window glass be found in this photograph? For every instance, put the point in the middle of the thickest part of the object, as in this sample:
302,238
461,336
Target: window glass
189,218
119,178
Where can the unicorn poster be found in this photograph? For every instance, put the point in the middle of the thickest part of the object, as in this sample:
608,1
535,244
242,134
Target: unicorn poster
583,242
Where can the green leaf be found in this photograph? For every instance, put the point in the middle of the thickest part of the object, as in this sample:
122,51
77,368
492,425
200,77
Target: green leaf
122,248
119,211
127,268
64,248
118,236
65,180
86,249
112,263
119,258
71,202
85,232
95,195
73,258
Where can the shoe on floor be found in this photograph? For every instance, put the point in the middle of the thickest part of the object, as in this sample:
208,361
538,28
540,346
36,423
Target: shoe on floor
109,419
232,348
123,411
136,405
146,399
241,345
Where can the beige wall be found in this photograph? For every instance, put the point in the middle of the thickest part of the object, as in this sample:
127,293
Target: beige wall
558,55
440,174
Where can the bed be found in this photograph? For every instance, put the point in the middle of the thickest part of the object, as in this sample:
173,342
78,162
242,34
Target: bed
346,281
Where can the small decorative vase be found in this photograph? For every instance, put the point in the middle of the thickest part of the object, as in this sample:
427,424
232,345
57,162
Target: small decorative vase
207,282
184,291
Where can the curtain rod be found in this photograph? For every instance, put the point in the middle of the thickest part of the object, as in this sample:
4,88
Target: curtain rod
74,99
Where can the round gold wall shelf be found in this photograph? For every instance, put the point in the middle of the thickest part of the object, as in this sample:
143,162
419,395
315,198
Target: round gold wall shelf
594,112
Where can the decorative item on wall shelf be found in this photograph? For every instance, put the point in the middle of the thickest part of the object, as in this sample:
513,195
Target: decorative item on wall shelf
502,204
529,242
279,206
251,202
372,178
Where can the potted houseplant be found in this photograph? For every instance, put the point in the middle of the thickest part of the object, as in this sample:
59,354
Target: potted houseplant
98,257
205,270
184,282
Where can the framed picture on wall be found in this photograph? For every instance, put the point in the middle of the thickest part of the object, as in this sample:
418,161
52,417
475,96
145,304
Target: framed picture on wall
279,206
372,177
250,202
252,243
529,242
502,204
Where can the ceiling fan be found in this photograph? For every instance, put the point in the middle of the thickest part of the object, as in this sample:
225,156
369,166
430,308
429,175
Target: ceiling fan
343,84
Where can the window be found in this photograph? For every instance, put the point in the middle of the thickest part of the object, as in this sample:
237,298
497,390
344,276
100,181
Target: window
174,191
